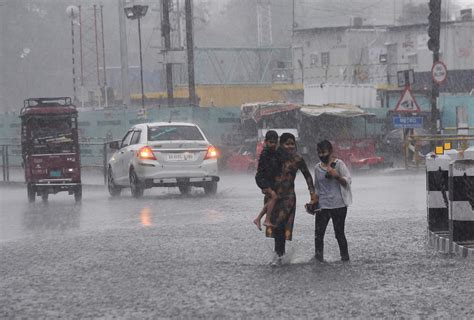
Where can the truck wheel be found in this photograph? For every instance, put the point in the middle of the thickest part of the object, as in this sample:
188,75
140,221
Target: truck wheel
184,189
210,187
78,194
114,190
44,196
135,186
31,193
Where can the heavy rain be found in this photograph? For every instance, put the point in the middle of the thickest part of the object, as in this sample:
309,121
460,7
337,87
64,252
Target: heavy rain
236,159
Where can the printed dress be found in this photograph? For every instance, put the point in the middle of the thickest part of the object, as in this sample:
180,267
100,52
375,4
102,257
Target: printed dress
283,215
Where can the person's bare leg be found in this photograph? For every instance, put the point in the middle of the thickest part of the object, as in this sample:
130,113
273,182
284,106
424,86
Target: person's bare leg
259,217
270,206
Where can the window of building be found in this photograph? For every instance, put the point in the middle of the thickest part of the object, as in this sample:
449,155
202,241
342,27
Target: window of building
325,58
314,59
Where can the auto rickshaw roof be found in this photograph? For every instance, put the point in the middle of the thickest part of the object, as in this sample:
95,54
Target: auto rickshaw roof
48,106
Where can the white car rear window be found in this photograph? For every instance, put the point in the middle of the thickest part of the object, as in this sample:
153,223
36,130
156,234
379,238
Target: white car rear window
171,133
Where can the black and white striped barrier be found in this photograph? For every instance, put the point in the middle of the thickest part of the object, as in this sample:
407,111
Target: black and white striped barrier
461,201
450,224
437,168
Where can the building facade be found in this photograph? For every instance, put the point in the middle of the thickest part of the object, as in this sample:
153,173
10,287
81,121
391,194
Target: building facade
373,54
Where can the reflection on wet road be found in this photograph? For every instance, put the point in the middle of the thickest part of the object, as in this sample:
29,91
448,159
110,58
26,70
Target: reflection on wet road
168,255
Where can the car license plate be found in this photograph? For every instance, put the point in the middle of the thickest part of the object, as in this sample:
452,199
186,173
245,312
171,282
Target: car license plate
185,156
55,173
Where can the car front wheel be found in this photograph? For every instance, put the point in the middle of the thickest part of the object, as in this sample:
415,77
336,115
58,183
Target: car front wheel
114,190
184,189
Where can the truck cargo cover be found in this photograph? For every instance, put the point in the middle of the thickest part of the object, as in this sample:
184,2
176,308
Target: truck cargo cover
336,110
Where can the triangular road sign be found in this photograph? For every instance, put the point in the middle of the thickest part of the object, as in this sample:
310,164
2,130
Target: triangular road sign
407,102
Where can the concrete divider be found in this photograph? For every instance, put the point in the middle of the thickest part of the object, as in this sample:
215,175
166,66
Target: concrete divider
450,202
437,168
461,201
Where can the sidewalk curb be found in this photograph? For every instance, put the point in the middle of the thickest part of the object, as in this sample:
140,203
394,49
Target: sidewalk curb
439,240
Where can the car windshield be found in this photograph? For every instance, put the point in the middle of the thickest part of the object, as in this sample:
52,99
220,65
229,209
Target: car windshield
164,133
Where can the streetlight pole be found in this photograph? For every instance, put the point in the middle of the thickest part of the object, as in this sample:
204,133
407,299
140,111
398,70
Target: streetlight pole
141,62
72,12
138,12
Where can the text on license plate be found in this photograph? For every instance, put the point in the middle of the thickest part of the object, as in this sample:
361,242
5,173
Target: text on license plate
55,173
185,156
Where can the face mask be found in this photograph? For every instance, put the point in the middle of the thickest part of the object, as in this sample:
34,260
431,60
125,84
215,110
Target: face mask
324,159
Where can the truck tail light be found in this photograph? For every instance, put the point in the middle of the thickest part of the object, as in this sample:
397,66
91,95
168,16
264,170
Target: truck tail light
211,153
145,153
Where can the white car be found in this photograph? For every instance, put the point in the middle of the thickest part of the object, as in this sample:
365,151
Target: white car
162,154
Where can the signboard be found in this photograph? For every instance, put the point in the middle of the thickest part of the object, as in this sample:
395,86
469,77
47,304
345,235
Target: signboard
439,72
405,78
407,122
407,102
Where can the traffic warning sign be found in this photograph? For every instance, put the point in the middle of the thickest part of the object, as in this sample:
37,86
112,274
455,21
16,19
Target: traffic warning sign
407,102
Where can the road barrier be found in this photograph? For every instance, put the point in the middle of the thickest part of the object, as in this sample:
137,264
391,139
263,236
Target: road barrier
461,201
437,168
93,155
450,201
413,143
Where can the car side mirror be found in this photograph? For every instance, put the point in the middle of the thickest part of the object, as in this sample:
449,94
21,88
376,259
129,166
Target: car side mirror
114,145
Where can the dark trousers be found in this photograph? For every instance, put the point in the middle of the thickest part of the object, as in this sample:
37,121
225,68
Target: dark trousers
338,217
279,235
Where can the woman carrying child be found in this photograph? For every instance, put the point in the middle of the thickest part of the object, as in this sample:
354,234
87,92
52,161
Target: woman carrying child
283,214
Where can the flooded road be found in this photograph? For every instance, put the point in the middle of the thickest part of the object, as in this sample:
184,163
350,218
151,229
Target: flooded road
173,256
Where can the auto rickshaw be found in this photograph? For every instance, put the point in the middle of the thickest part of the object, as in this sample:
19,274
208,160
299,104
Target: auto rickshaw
50,147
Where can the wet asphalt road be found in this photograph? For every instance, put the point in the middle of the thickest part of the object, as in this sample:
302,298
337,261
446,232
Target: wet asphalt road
173,256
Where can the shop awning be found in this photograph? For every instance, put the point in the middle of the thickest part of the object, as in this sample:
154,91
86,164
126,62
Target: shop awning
336,110
257,111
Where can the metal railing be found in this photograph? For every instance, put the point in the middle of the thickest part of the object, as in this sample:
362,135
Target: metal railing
412,144
93,155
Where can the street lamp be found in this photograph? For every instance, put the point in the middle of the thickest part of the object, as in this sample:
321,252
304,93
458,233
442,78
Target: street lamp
72,12
137,12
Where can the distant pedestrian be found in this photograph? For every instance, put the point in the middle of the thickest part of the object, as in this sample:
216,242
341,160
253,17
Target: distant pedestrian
284,213
269,166
332,182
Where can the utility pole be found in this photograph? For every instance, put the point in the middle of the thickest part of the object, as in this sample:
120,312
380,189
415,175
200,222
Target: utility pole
264,23
97,53
123,55
103,55
72,14
293,22
434,28
166,33
190,51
